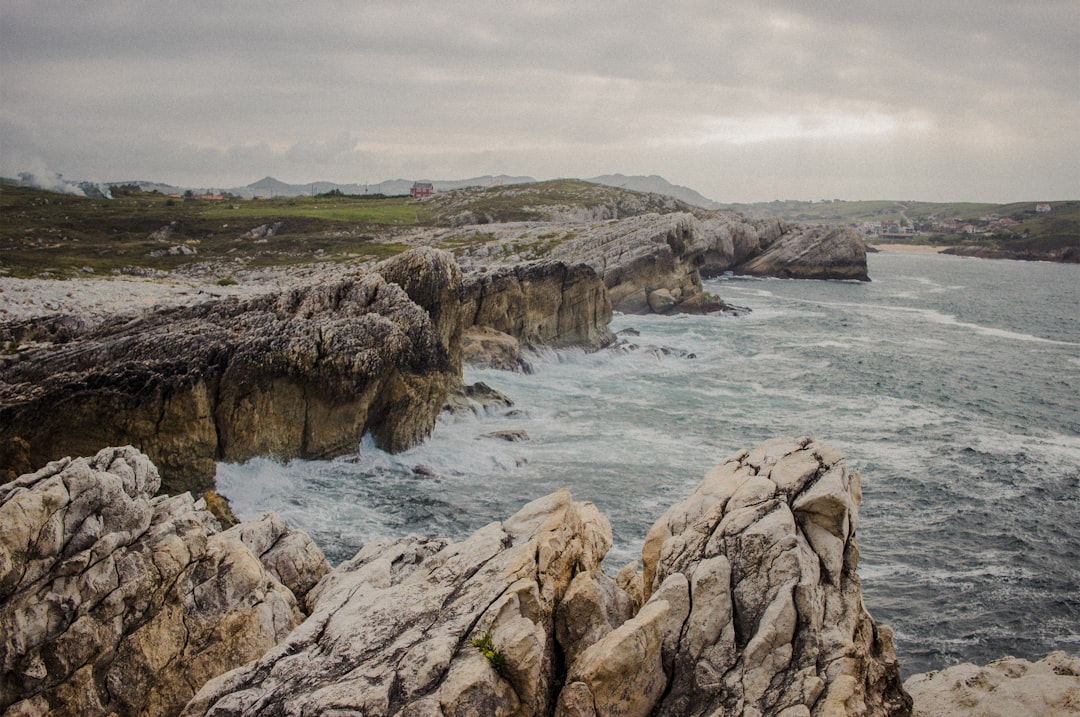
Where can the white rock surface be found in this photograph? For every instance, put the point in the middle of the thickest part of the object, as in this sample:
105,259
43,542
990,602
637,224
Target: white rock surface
1009,687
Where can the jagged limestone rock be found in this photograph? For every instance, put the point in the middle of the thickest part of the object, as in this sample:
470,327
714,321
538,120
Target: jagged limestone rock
392,630
767,543
639,256
116,601
743,612
803,252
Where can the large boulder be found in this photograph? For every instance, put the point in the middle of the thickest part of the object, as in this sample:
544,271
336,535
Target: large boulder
113,601
301,373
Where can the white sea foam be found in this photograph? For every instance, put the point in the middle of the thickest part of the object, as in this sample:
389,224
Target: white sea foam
966,434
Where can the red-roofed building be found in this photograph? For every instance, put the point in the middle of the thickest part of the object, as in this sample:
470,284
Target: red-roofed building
422,189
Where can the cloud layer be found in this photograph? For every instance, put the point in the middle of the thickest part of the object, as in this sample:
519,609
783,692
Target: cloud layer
742,101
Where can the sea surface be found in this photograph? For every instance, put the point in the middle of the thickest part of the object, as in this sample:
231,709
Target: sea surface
953,384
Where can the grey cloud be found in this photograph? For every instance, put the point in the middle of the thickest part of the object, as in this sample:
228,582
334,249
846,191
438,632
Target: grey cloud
585,88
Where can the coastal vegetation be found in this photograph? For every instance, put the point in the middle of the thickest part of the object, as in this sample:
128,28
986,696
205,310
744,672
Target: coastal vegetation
50,235
53,235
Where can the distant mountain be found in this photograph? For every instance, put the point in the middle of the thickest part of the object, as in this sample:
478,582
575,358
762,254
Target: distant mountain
271,187
656,185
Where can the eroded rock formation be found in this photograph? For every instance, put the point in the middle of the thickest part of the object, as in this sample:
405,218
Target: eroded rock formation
654,263
300,373
748,604
789,251
113,601
649,263
392,630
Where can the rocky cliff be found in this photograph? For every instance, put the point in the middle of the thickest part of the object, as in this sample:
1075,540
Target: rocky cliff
789,251
113,601
531,305
297,373
655,262
748,604
649,263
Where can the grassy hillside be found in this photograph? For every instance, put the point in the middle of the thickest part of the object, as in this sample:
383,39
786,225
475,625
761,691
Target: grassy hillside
59,235
44,233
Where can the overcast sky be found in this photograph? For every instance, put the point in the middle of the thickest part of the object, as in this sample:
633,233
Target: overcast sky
747,100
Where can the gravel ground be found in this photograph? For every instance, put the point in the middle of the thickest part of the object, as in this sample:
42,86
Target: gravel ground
95,298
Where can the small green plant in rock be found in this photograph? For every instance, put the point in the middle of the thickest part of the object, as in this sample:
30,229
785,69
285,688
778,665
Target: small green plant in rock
487,649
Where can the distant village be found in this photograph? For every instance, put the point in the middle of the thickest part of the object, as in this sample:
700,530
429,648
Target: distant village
986,224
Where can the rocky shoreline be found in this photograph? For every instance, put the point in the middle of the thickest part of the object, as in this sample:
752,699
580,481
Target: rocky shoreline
115,599
120,591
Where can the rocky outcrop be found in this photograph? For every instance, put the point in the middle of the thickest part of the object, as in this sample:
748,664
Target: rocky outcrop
753,605
778,249
1003,688
654,263
298,373
546,303
539,304
113,601
650,263
1064,255
400,629
748,603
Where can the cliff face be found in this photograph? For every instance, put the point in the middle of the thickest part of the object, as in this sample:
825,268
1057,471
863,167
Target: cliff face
545,303
299,373
113,601
798,252
649,263
654,263
537,304
748,603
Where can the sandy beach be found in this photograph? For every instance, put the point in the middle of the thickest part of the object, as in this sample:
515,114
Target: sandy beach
910,248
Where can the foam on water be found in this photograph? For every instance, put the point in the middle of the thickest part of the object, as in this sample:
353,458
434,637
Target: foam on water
950,383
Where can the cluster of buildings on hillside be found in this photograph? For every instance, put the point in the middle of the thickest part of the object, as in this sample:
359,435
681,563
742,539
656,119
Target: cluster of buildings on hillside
986,224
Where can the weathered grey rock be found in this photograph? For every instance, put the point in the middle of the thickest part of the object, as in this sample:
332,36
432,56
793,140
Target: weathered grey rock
746,610
766,547
301,373
391,630
640,256
484,347
806,252
541,304
655,263
114,601
1003,688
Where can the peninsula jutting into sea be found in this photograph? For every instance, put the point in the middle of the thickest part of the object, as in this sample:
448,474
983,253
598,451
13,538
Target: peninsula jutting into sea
479,403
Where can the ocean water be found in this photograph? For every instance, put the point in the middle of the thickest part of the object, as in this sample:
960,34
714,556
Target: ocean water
953,385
